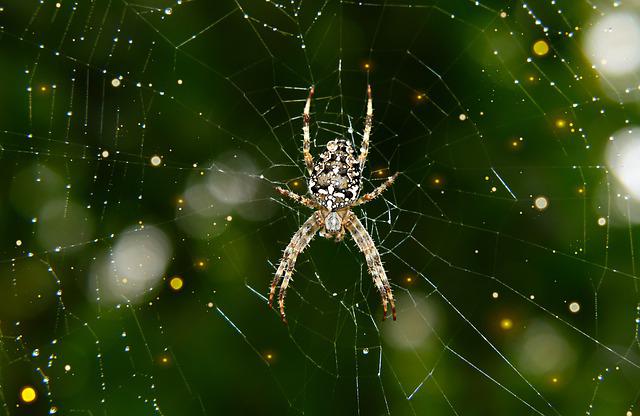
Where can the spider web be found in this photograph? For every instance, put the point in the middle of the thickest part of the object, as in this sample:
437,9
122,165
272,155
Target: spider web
140,145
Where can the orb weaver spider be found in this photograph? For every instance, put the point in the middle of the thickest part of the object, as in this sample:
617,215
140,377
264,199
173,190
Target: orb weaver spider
334,183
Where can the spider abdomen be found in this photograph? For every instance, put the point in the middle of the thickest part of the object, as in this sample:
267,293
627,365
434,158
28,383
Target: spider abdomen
335,181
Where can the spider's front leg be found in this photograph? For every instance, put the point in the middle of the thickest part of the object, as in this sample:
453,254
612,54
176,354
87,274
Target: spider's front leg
306,144
298,243
368,124
376,192
302,200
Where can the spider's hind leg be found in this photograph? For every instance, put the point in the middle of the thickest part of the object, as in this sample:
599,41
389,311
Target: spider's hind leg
298,243
372,256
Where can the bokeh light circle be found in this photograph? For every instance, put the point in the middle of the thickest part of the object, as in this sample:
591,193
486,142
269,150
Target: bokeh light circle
623,158
612,44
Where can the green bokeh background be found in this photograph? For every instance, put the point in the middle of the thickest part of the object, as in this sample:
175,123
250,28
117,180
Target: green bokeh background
214,347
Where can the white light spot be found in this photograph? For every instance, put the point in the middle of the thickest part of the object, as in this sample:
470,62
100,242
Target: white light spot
115,82
105,153
574,307
462,117
495,295
612,44
418,327
134,266
623,154
541,203
543,350
18,243
168,11
602,221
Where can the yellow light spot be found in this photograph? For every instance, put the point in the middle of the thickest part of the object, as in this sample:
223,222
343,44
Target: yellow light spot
514,143
580,190
367,66
176,283
296,183
409,279
560,123
420,97
486,178
43,88
156,160
164,359
268,356
554,380
28,394
436,181
506,324
531,79
180,201
200,263
540,48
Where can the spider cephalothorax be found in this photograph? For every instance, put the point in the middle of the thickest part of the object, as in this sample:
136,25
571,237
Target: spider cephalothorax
334,187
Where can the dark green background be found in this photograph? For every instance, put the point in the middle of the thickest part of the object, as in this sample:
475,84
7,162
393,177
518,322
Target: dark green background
243,90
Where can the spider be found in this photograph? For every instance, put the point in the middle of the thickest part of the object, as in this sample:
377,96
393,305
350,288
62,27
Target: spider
334,186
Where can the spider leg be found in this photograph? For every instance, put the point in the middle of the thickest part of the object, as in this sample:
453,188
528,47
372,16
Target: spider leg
306,144
368,248
298,243
368,123
376,192
302,200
